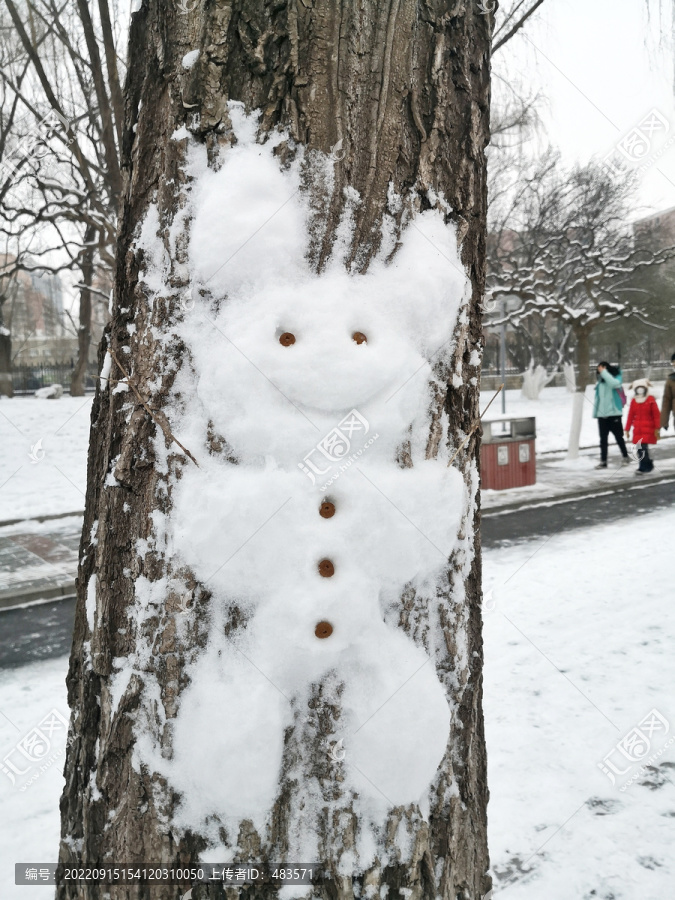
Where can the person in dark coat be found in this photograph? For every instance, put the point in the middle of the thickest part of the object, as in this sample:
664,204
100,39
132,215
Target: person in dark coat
668,401
643,418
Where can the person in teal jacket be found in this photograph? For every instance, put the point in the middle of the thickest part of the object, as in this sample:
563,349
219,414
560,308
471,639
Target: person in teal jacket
607,409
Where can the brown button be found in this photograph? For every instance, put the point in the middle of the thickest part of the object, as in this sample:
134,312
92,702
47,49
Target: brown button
326,568
359,337
323,630
287,339
327,510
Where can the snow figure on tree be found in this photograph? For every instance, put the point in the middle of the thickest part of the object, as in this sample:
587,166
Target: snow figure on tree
320,512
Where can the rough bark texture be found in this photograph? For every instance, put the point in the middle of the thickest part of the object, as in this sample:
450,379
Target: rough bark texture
6,386
582,336
405,86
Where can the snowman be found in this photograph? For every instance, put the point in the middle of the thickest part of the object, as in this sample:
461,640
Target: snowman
315,568
307,532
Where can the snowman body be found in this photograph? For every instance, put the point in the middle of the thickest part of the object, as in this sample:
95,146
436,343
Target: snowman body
312,422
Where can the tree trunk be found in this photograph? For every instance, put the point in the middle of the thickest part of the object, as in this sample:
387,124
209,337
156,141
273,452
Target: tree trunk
401,92
84,329
583,363
6,385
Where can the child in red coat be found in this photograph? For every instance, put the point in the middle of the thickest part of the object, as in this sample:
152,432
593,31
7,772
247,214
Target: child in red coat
645,419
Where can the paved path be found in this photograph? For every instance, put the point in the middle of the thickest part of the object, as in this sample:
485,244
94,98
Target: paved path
503,527
38,560
35,632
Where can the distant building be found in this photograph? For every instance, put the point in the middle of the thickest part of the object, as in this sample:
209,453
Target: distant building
658,232
659,227
42,331
33,312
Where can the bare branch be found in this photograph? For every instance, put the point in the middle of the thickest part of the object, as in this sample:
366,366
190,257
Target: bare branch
515,28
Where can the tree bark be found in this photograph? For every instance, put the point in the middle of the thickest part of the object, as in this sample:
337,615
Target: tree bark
111,65
84,328
405,87
6,385
107,124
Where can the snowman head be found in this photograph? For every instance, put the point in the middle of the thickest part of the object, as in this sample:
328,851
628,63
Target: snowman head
323,345
285,365
248,246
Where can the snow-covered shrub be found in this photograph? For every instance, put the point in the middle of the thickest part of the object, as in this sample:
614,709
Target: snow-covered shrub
51,392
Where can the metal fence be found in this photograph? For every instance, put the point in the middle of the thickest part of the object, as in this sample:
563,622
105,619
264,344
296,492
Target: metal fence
626,364
29,378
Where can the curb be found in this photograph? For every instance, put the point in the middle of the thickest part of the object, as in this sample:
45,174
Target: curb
47,518
571,496
34,597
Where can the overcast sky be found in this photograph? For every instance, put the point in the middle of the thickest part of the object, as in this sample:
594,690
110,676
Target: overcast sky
599,65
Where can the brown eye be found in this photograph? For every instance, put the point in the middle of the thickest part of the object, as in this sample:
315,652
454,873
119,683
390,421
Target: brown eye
359,337
327,510
323,630
287,339
326,568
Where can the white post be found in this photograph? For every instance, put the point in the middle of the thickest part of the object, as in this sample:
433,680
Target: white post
575,428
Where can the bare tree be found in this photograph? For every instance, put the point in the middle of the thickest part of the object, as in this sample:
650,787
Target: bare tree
60,195
515,103
8,290
511,18
569,255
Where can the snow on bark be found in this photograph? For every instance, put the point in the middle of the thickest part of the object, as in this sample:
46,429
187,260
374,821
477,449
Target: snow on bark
91,601
535,379
570,375
575,426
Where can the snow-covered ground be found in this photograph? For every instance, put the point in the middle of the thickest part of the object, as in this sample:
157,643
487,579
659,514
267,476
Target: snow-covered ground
578,648
29,825
553,411
578,645
43,455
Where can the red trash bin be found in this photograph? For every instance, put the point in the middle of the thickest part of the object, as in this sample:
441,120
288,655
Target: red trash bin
507,453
